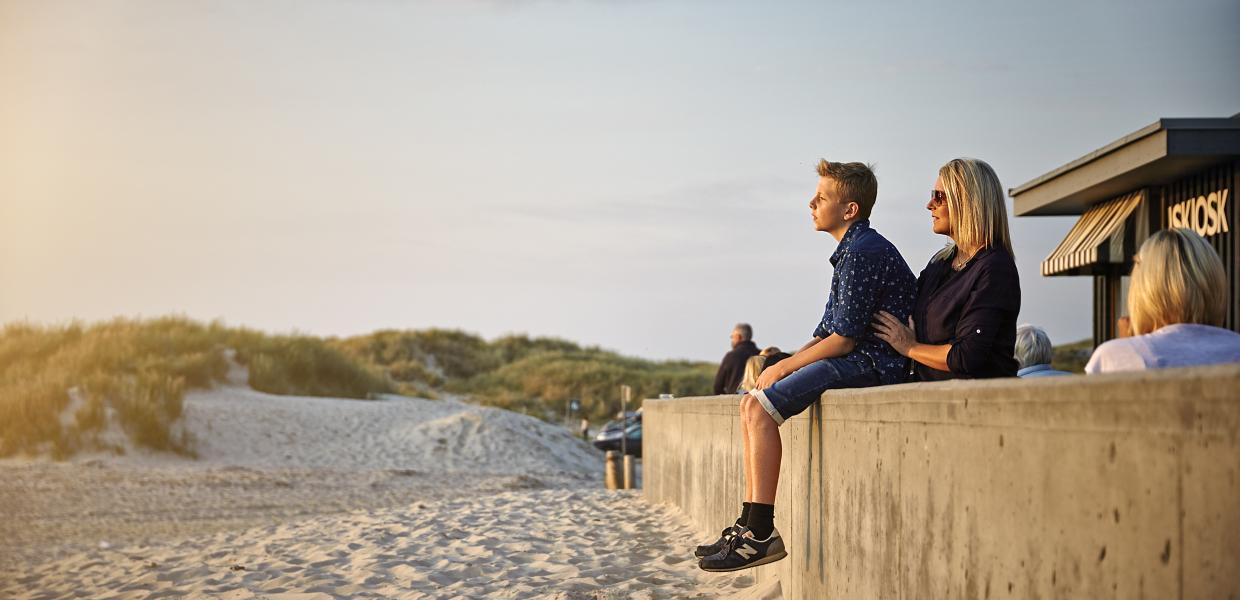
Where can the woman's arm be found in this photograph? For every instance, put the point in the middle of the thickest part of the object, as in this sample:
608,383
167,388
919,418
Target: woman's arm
903,339
930,355
993,297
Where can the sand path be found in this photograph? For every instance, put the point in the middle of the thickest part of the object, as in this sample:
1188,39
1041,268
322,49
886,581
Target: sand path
527,544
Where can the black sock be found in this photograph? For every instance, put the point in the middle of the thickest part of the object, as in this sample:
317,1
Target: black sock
761,520
744,520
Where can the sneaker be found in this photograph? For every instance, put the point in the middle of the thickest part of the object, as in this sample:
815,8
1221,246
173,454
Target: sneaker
709,549
744,551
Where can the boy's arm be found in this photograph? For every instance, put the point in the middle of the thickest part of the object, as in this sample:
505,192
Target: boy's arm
807,345
817,349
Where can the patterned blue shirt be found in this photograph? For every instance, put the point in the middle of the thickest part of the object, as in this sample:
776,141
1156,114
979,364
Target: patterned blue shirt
870,275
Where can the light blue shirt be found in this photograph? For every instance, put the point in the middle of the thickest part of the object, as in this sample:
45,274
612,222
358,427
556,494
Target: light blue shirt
1178,345
1043,370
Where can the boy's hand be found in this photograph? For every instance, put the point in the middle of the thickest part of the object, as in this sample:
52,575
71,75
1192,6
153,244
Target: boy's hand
769,376
889,329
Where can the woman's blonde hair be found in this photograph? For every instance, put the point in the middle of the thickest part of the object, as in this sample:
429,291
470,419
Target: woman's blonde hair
976,211
753,367
1176,278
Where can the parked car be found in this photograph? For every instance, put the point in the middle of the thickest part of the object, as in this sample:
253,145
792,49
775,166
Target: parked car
613,427
609,437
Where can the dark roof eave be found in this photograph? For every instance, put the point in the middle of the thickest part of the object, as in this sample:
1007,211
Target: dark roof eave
1150,155
1088,158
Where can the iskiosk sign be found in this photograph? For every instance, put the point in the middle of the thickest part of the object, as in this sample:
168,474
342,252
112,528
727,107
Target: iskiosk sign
1207,215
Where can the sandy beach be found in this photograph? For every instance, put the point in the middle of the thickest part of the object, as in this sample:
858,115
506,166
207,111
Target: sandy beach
295,497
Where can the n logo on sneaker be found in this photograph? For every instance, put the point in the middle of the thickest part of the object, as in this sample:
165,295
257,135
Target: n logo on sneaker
746,552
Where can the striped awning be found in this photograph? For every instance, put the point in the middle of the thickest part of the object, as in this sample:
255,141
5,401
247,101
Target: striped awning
1088,246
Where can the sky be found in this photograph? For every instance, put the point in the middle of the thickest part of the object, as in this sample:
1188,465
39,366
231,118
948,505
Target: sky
633,175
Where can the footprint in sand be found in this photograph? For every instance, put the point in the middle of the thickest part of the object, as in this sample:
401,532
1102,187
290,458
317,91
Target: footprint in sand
526,558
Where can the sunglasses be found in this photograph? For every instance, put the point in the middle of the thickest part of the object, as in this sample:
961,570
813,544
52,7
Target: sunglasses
937,197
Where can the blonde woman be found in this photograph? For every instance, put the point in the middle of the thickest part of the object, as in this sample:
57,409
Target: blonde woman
964,321
1177,301
753,367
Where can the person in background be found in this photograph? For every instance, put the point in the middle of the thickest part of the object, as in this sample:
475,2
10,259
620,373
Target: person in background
964,323
773,358
1177,302
732,368
1123,327
585,429
753,367
1033,352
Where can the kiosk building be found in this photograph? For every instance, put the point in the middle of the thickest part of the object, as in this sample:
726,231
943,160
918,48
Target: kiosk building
1172,173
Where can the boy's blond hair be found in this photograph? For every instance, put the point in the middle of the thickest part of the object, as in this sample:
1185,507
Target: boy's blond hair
855,181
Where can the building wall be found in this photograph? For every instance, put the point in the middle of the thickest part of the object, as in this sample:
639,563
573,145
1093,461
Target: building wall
1113,486
1220,181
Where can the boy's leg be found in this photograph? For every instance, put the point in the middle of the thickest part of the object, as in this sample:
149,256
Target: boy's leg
763,452
746,443
712,548
763,412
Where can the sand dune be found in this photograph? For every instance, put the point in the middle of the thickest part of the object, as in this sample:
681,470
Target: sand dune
239,426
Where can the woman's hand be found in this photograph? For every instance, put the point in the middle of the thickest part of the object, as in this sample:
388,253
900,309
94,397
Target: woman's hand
770,375
891,330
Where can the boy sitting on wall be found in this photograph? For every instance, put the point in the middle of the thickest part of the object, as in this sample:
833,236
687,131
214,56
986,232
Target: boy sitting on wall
870,275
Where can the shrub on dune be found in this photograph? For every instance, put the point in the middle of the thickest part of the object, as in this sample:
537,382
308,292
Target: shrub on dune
547,380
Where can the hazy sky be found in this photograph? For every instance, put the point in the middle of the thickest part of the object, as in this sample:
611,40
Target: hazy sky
628,174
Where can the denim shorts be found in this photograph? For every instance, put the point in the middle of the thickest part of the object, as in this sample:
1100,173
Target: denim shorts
793,394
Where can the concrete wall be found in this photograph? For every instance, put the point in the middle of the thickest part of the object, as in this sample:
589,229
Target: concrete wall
1112,486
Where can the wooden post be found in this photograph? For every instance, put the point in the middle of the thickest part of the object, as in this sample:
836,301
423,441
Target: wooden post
611,470
629,481
625,392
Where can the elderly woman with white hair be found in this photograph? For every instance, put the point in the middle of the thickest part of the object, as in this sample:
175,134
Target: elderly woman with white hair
1033,352
1177,304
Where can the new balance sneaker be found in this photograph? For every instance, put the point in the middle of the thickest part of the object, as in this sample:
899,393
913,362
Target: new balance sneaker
709,549
744,551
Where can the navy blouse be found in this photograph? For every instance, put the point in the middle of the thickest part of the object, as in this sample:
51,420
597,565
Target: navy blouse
975,311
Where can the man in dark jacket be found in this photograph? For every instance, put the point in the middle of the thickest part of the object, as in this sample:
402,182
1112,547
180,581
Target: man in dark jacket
732,369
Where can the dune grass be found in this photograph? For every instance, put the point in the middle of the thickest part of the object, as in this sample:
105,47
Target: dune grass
537,376
1073,356
68,388
136,372
542,383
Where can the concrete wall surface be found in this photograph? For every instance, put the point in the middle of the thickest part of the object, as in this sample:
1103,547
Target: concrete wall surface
1105,486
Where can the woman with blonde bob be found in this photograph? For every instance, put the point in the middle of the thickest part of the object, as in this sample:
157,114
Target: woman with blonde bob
1177,301
753,368
964,321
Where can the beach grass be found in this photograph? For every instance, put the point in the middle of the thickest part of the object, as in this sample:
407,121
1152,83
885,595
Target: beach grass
536,376
1072,357
137,371
66,388
547,381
